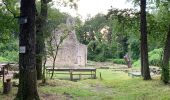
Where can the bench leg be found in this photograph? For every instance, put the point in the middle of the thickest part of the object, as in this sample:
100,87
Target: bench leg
91,74
79,76
100,75
94,74
49,73
71,75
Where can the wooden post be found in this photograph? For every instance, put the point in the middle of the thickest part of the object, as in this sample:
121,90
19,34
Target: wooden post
95,74
100,75
71,75
7,86
3,76
79,76
91,74
7,66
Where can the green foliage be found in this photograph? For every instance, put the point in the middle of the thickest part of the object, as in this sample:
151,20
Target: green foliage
111,35
137,63
99,51
123,32
119,61
12,56
9,51
9,31
155,58
134,45
8,23
165,73
99,57
2,59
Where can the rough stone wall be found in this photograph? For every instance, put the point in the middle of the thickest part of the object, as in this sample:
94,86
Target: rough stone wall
82,55
71,53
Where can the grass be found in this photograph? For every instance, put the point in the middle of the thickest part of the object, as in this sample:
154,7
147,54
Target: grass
113,86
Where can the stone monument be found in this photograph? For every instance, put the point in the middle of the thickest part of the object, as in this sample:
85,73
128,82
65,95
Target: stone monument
71,53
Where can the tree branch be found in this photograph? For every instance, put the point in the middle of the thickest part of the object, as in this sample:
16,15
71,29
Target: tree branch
9,9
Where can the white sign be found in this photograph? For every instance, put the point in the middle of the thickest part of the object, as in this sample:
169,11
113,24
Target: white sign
22,49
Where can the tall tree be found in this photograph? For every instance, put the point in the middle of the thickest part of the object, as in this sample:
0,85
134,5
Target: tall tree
144,47
27,89
40,36
166,56
164,19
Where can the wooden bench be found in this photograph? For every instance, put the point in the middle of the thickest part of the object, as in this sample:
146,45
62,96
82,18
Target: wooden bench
73,71
134,74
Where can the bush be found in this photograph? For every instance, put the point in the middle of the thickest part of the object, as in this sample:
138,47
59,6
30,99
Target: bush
9,51
119,61
2,59
100,58
12,56
154,58
137,64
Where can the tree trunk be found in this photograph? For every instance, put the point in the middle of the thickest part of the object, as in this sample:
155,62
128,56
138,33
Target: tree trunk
144,46
27,89
54,59
41,25
166,56
43,75
141,53
109,36
52,74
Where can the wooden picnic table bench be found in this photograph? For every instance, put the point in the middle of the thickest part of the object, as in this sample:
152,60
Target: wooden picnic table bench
72,71
134,74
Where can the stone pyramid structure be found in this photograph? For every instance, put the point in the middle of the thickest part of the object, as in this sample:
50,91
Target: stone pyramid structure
71,53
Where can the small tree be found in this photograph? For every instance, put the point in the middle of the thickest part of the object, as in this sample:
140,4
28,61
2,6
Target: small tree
54,42
44,63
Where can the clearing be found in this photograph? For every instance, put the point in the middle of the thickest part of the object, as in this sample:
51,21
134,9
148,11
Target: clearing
113,85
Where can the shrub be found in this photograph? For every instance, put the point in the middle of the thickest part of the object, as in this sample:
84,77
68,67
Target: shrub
137,64
100,58
154,58
2,59
119,61
12,56
9,51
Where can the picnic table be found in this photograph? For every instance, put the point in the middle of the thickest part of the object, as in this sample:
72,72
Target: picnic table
71,71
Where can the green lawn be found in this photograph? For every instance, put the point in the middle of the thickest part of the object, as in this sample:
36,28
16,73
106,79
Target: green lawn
113,86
